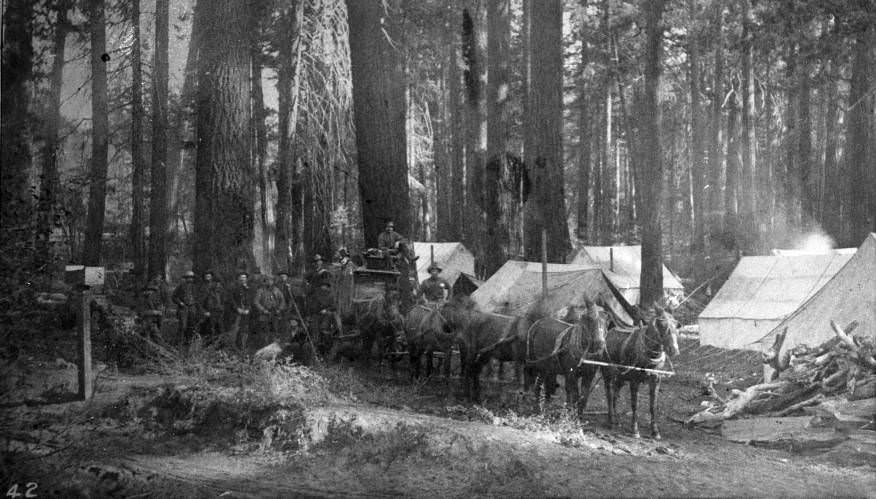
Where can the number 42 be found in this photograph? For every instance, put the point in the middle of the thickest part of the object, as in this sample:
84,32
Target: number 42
29,490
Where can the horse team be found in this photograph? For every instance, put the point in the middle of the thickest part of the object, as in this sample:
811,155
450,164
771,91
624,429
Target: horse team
578,349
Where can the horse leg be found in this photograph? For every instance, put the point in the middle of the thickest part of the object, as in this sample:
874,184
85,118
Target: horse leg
609,397
634,402
653,388
572,400
414,361
586,378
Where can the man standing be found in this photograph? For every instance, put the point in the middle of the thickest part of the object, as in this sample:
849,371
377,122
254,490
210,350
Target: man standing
211,304
435,290
322,315
271,305
151,312
241,301
184,297
318,274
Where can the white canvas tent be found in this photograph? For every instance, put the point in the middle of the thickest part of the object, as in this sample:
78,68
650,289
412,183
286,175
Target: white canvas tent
850,295
453,258
794,252
760,293
517,286
624,264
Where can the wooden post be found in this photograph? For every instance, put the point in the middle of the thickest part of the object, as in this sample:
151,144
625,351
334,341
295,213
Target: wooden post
544,262
611,258
86,376
431,255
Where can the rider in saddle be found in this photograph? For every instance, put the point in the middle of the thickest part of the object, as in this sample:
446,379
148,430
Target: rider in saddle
388,243
434,291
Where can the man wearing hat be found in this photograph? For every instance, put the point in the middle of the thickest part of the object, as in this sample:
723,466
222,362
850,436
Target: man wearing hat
271,305
318,274
322,314
211,305
241,297
434,290
185,299
389,238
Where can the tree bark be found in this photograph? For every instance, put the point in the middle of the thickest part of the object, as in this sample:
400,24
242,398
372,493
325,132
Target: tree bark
791,172
546,208
652,175
584,138
138,208
749,187
292,17
697,163
263,233
833,179
495,236
224,176
860,172
731,188
473,75
158,206
714,219
604,223
99,135
457,147
806,179
379,109
15,157
442,145
51,185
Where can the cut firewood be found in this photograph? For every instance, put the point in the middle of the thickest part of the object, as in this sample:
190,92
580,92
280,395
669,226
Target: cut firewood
799,405
864,389
734,406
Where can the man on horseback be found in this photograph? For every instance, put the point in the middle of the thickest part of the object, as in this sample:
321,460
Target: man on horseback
434,291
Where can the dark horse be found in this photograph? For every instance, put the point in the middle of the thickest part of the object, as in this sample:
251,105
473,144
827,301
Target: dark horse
429,330
555,347
484,336
373,321
645,347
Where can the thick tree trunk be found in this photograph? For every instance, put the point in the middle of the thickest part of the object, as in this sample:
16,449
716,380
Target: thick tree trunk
714,219
731,189
860,172
51,185
379,109
224,187
15,157
652,172
99,135
790,172
604,222
289,43
263,233
138,208
457,147
697,163
584,138
546,208
749,186
473,74
442,146
158,206
806,178
495,236
834,183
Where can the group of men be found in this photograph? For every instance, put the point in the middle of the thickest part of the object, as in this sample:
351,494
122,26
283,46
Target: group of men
268,308
208,308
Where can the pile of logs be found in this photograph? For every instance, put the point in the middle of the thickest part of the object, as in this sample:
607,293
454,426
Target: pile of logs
840,369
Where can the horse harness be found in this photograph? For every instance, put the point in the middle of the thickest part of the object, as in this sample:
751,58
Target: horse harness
641,347
430,311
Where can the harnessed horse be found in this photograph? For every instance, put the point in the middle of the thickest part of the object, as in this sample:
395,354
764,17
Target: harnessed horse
555,347
429,330
644,348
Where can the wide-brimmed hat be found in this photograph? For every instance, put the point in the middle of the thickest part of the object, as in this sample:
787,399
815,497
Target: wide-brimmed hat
242,272
188,274
317,258
434,266
326,283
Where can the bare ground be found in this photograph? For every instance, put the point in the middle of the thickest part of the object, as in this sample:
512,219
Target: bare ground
345,431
